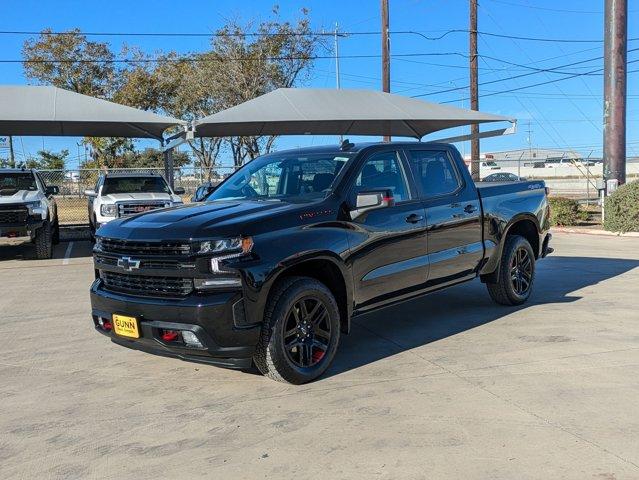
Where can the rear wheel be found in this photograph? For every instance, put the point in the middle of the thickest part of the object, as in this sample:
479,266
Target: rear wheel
44,242
516,273
300,332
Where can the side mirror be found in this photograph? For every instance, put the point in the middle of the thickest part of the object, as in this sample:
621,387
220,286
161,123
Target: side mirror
179,190
52,190
372,200
90,193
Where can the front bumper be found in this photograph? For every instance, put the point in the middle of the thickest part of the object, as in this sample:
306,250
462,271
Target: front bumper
19,231
216,320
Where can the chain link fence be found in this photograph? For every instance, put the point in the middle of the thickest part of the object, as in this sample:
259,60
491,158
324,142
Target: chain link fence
73,203
575,179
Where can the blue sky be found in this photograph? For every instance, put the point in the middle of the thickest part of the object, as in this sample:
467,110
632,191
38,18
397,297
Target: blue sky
566,114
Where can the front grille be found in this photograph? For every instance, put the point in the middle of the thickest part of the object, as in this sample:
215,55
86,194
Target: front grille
130,247
125,209
144,263
13,213
147,286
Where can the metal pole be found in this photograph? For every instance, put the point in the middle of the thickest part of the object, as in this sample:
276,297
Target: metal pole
337,79
474,90
385,53
12,156
615,75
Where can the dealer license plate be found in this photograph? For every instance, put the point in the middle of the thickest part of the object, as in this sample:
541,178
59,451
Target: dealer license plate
126,326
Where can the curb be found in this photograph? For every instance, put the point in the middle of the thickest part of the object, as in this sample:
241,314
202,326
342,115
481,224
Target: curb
592,231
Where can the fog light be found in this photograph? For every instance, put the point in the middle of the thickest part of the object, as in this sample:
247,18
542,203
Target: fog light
191,339
170,335
104,324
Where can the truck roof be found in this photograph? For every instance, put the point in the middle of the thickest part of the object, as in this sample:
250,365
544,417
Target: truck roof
131,174
358,147
16,170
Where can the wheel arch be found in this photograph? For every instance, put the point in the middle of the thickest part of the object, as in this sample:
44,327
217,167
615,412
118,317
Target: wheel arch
329,270
526,225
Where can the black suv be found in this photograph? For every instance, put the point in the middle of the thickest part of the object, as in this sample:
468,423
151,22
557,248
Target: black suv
273,266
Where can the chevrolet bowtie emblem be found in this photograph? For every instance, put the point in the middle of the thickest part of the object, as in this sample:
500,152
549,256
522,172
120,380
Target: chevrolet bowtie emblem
128,264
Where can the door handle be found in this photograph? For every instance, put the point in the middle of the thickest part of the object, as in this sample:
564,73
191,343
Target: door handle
414,218
470,208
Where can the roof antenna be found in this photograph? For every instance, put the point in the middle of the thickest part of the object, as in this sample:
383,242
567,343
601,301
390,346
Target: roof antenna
346,145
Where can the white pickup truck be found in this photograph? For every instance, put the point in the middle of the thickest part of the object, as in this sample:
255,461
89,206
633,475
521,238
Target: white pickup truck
28,212
121,194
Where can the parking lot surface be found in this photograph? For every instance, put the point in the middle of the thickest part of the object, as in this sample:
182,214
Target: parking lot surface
446,386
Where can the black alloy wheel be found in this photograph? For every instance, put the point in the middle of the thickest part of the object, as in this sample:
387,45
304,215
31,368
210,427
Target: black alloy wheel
301,331
513,281
307,332
521,271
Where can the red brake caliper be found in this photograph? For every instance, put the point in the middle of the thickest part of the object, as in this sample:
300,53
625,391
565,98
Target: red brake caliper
318,355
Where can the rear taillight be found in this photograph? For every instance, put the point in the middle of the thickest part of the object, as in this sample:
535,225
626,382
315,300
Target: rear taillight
547,191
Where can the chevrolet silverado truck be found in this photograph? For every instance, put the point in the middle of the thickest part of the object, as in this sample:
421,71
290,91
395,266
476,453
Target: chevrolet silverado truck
28,212
120,194
271,269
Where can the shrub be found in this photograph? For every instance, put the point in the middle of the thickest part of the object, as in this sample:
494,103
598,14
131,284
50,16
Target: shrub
565,212
622,209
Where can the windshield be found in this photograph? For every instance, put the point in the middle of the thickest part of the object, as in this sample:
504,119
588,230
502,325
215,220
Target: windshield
288,176
11,183
114,185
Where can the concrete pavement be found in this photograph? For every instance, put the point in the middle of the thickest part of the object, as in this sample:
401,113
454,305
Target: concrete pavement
447,386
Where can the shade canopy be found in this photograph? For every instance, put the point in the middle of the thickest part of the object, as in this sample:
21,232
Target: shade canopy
51,111
300,111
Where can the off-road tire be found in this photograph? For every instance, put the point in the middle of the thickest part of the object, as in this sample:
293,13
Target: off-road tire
502,291
270,357
44,242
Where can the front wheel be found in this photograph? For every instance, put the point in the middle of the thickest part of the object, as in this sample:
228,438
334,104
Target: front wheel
44,242
300,333
516,273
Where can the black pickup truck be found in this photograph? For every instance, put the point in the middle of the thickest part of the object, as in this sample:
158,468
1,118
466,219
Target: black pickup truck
272,267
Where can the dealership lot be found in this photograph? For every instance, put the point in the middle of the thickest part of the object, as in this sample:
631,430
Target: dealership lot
447,386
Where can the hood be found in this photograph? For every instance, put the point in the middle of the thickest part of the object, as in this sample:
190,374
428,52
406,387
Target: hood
141,196
208,220
21,196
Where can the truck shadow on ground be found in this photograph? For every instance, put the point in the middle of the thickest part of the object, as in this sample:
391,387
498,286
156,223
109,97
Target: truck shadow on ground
442,314
26,251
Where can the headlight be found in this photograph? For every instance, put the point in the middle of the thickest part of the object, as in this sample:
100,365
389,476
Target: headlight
222,250
98,244
108,210
227,246
35,208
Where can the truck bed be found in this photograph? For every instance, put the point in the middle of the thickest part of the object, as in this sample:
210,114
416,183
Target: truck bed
491,189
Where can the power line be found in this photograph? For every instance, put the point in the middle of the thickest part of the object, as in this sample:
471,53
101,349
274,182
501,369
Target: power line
560,10
536,71
537,84
298,34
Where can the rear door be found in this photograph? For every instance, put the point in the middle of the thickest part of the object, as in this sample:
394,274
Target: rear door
453,215
389,256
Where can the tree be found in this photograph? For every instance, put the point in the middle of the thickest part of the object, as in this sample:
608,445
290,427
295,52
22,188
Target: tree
237,67
72,62
52,161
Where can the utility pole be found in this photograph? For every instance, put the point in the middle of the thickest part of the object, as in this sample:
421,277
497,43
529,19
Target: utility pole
385,54
337,79
12,155
474,90
615,76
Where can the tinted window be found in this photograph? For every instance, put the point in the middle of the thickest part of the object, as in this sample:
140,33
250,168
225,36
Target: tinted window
134,185
383,170
10,183
434,171
287,176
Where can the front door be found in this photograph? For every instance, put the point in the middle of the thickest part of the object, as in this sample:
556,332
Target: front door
453,216
389,254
